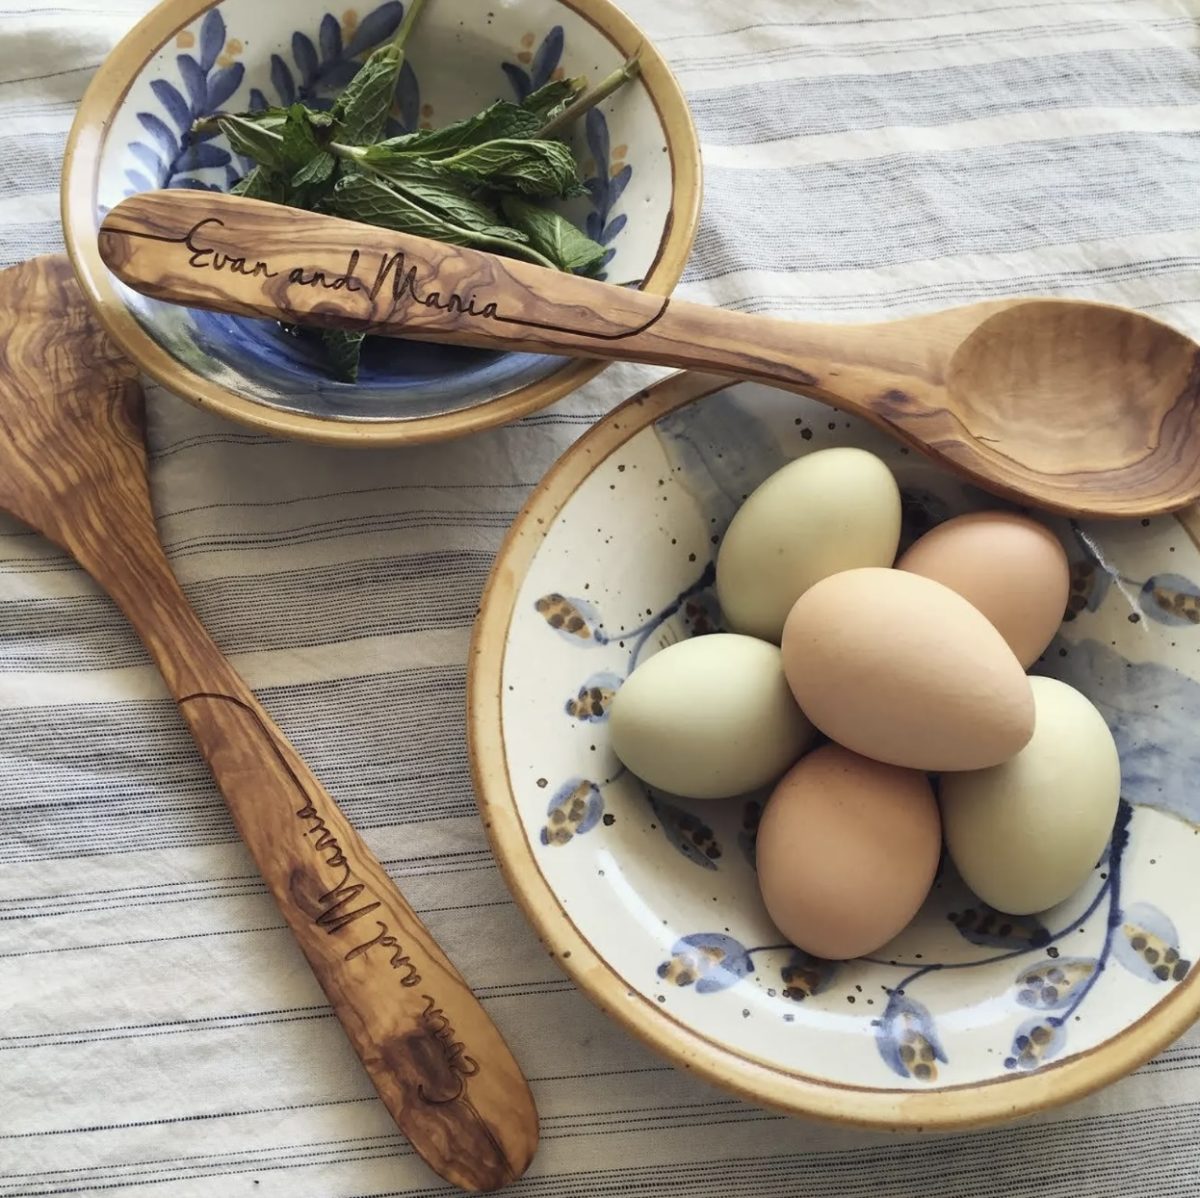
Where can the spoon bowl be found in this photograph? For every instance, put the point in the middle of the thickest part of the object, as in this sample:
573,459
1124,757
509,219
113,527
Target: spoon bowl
1047,384
1078,407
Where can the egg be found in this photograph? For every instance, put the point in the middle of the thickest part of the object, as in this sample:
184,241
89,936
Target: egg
823,513
900,668
1026,834
708,717
847,851
1010,567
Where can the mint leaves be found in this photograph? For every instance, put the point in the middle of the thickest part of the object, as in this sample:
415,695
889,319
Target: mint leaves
480,182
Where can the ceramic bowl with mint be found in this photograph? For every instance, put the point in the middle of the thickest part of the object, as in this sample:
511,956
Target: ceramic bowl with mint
547,130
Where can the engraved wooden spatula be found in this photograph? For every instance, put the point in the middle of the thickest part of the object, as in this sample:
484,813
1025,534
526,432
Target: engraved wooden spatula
1081,408
73,465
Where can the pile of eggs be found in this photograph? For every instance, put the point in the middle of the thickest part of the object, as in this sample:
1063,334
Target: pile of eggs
909,668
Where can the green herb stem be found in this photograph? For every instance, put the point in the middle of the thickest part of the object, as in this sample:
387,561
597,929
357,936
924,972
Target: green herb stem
590,99
406,25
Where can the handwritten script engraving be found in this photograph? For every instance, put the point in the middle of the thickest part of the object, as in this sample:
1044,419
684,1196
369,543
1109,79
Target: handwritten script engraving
434,1021
338,910
392,270
351,899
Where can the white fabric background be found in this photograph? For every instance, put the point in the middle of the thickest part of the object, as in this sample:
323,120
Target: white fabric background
159,1032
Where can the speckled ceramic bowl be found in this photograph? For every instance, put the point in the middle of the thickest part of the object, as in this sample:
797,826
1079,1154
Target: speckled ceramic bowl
188,58
968,1016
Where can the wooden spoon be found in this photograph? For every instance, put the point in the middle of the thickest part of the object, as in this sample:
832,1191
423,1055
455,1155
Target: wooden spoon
1080,408
73,465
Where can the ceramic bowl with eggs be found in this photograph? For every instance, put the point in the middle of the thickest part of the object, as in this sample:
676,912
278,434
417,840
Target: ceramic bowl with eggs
637,152
891,994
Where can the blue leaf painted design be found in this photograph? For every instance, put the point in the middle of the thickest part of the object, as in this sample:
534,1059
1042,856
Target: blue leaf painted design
334,77
1171,599
613,228
689,834
1152,712
710,961
518,78
203,157
408,98
907,1039
330,37
547,58
222,84
596,129
282,81
805,975
177,107
194,80
1051,984
183,183
149,159
1035,1042
304,53
232,177
984,926
212,38
609,255
138,181
1146,943
592,226
158,129
618,182
574,810
594,698
377,26
258,100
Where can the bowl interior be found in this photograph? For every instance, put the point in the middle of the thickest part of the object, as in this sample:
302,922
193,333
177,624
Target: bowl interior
243,54
662,890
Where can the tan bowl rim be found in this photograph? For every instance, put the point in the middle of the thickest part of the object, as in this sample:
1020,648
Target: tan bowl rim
892,1109
81,161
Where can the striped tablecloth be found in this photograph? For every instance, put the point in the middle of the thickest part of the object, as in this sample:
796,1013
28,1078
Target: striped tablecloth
159,1032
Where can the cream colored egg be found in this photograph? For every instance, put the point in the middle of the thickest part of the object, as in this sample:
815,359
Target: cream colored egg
898,667
709,717
828,511
847,851
1025,835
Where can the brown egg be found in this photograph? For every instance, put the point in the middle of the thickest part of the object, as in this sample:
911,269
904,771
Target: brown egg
847,852
901,668
1010,567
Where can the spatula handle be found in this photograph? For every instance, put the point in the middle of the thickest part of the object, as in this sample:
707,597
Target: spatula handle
437,1060
439,1063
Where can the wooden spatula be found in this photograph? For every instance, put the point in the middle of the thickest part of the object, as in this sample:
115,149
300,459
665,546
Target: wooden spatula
73,465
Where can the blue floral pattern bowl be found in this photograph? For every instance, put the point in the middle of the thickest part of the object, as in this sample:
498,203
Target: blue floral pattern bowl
651,903
191,58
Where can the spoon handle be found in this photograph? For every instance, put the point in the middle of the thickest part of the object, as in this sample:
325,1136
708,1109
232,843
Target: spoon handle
257,259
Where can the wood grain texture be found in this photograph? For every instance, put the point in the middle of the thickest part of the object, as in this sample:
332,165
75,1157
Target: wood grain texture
73,465
1079,408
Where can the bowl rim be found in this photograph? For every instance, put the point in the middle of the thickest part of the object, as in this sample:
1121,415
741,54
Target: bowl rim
971,1104
81,165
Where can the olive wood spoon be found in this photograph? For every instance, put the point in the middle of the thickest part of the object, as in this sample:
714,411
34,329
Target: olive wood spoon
73,465
1081,408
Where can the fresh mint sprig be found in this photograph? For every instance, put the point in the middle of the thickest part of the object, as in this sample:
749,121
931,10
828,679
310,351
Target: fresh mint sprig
478,182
